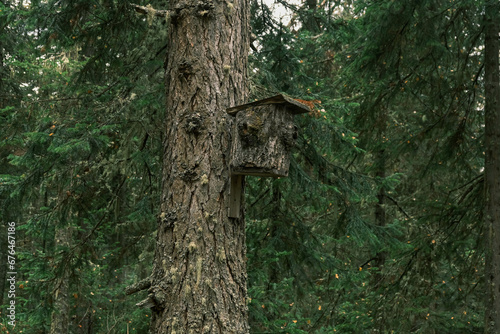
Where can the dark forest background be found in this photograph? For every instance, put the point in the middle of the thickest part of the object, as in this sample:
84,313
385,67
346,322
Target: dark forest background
379,227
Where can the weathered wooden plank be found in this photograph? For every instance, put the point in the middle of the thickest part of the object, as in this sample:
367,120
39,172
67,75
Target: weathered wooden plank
235,196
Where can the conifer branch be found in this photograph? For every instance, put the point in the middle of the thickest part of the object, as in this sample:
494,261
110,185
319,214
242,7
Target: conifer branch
139,286
149,10
478,178
147,303
399,207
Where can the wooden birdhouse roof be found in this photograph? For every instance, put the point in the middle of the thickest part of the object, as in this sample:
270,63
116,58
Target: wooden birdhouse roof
294,106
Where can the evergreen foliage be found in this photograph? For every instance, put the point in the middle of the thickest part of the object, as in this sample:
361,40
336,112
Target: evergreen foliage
396,150
379,226
83,138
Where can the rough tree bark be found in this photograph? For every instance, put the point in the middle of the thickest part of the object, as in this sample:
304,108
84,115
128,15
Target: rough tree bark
198,284
492,169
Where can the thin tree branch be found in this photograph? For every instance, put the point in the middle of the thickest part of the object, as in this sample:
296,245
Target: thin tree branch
397,204
139,286
150,10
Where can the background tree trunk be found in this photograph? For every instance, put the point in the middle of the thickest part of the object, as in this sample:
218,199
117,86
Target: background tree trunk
199,271
492,170
60,319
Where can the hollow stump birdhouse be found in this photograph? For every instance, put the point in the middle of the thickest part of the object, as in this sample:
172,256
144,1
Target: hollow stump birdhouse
263,136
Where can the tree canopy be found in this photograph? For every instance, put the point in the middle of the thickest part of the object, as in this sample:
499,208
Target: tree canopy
382,225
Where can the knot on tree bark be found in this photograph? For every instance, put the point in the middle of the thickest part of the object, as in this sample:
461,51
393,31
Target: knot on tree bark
189,173
194,123
168,219
186,69
205,8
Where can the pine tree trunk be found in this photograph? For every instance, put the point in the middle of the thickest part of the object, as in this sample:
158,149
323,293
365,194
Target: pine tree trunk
199,272
60,319
492,170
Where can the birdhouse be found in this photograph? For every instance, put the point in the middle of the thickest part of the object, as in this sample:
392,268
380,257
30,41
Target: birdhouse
263,136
